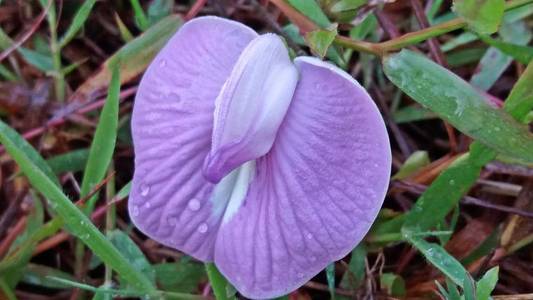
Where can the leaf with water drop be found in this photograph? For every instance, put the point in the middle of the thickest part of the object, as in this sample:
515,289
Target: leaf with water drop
459,103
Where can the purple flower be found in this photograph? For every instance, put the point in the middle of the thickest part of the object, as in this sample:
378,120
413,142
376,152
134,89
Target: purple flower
269,167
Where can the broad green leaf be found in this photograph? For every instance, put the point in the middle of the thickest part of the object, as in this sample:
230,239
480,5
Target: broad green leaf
486,284
103,144
132,59
394,285
459,103
72,161
484,16
413,163
441,259
183,276
77,221
523,54
132,253
312,10
139,16
320,40
77,23
159,9
345,5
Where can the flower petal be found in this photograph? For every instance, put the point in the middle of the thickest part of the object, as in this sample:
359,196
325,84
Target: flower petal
172,125
251,106
315,194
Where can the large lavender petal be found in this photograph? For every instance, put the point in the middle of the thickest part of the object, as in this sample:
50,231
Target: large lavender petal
172,125
316,192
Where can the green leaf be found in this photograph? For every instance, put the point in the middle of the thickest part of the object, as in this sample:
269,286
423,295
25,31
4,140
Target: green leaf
355,274
523,54
72,161
484,16
40,61
182,276
139,16
413,163
7,74
37,275
495,62
123,192
132,59
77,23
132,253
125,34
345,5
330,276
469,289
413,113
219,284
393,284
520,100
486,284
77,222
459,103
159,9
30,152
103,144
312,10
438,257
320,40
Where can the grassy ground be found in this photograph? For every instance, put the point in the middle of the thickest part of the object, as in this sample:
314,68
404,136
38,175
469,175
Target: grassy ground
459,208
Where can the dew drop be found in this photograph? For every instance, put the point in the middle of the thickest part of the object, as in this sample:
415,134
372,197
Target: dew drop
203,228
300,275
313,258
145,189
162,63
135,211
147,204
309,236
194,204
452,182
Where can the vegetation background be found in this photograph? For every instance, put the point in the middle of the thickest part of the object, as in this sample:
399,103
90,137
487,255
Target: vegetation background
453,80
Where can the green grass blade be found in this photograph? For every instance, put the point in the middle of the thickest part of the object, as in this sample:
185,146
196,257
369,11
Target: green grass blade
523,54
487,283
459,103
72,161
520,100
22,145
219,284
77,23
140,17
103,145
76,221
312,10
438,257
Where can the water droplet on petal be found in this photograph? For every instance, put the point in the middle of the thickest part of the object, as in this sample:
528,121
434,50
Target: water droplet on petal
162,63
194,204
145,189
313,258
147,205
300,275
203,228
135,211
309,236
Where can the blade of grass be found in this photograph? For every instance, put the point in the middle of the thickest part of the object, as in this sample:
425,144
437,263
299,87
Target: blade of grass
76,221
77,23
219,284
140,17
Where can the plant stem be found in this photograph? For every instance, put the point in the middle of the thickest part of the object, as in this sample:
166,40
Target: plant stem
380,49
59,78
